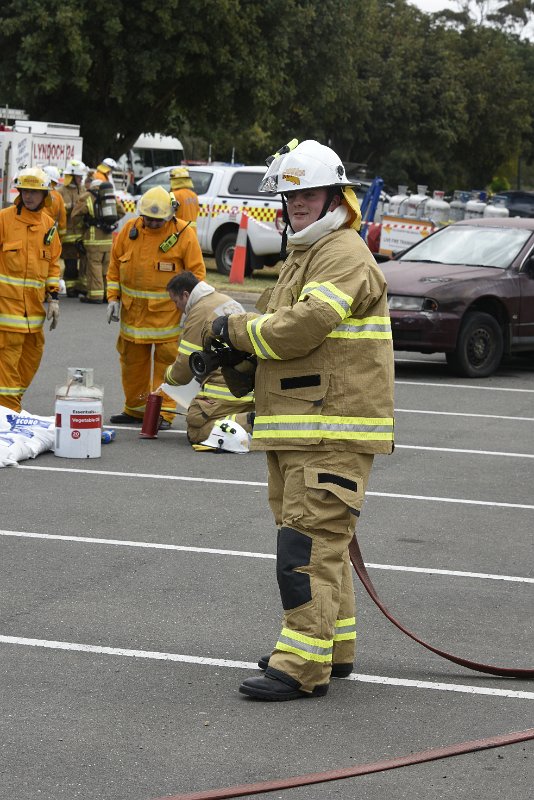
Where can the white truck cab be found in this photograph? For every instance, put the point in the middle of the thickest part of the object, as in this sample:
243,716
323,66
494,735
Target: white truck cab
150,152
225,192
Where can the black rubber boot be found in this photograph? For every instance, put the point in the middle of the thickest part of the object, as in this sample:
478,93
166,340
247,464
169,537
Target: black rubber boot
276,686
338,670
125,419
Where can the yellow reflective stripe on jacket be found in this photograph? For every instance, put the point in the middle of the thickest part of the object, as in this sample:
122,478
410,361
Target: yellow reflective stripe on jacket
328,293
12,390
162,295
345,629
363,328
261,348
16,322
307,647
223,393
24,282
186,348
160,334
114,285
291,426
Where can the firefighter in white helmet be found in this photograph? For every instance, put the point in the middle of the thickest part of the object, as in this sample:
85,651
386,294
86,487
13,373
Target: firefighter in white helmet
185,195
104,171
99,213
71,190
149,250
29,274
324,408
199,302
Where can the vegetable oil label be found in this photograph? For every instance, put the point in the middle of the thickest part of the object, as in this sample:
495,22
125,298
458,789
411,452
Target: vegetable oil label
78,428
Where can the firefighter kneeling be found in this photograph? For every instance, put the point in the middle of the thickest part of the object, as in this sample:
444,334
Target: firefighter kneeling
216,419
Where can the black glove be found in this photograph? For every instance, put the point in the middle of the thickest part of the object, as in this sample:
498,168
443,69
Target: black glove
241,378
219,328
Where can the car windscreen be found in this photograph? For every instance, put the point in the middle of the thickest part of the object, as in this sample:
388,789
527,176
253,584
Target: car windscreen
247,184
201,180
471,246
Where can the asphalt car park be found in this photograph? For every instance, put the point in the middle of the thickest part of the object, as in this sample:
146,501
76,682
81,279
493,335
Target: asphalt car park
138,590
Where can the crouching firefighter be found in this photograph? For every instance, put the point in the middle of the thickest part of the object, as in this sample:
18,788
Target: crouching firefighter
216,418
99,211
324,408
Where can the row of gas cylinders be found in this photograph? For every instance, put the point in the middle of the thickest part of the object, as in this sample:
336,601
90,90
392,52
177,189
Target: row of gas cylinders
464,205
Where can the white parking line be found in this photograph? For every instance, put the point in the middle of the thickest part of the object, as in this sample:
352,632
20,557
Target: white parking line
247,554
464,386
228,482
222,662
461,414
463,451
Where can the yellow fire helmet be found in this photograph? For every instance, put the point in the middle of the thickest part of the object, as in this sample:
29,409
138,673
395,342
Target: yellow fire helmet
32,178
157,203
180,178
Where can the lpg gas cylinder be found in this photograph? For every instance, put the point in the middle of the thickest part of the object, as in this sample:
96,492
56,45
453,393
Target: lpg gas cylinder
79,416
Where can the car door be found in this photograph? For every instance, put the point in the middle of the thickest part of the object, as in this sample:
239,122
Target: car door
523,334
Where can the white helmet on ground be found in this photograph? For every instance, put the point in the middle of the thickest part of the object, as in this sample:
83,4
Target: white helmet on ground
227,436
308,165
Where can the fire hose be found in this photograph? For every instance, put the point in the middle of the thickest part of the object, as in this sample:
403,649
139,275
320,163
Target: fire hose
422,757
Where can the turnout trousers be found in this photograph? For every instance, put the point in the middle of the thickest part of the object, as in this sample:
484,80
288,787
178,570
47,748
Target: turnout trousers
143,365
203,413
316,498
20,356
93,279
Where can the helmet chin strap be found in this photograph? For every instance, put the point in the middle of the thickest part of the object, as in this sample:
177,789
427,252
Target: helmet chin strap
332,191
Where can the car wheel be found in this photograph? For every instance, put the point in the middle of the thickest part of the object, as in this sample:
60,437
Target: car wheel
224,254
479,348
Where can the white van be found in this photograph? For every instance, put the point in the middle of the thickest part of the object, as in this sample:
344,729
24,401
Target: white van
150,152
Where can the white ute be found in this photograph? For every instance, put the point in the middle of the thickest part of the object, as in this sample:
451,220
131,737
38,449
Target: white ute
225,192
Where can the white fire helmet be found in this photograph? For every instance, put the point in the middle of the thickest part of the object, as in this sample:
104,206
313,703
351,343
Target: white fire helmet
74,167
110,162
53,173
308,165
227,436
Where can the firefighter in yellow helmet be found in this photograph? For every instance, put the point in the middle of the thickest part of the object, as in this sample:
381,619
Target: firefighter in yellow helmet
72,189
324,408
29,274
185,195
149,250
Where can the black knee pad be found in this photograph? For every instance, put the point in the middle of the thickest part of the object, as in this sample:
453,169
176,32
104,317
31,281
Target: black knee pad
293,550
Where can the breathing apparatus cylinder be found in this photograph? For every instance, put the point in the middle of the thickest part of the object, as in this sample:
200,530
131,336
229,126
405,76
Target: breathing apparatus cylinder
106,203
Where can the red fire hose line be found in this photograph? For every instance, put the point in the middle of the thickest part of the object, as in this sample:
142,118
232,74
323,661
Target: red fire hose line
363,769
392,763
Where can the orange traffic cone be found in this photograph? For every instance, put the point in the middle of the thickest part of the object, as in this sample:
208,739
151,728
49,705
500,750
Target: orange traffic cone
237,270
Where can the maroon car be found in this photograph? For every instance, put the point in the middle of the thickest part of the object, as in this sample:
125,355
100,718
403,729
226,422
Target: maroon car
466,291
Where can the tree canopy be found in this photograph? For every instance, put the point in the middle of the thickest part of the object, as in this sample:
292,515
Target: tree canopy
440,99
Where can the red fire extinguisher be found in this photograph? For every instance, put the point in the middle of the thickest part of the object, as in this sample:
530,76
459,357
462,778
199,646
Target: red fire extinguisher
151,416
